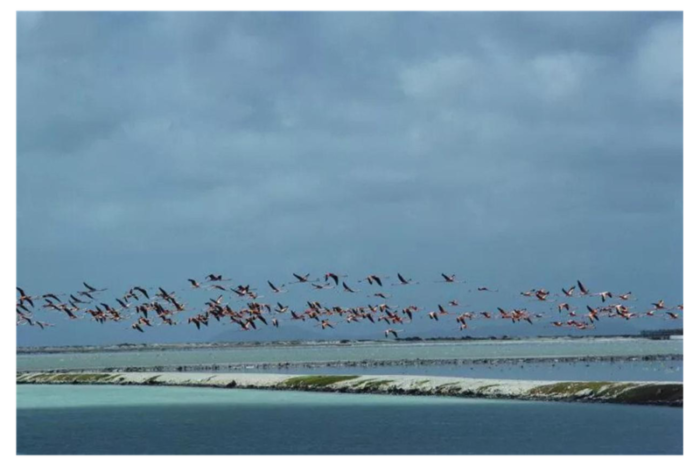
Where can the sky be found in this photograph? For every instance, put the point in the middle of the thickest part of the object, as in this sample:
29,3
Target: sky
516,150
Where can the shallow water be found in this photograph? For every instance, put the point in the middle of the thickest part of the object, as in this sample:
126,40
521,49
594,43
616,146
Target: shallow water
355,352
177,420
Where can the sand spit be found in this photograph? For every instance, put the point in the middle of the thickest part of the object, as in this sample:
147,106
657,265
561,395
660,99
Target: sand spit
645,393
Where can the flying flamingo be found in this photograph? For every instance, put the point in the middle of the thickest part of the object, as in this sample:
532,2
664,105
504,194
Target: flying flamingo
448,278
584,290
325,324
334,276
301,278
93,289
404,281
372,279
347,288
604,294
659,305
194,283
275,289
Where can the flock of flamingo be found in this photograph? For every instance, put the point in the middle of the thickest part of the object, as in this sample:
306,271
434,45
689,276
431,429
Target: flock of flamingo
160,307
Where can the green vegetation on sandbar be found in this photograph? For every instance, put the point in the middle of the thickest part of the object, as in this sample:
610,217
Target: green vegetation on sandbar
569,388
450,388
76,378
152,380
622,392
672,394
615,389
371,384
317,380
483,388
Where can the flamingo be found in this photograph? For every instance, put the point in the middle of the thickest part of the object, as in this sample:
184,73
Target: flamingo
274,288
659,305
335,277
301,278
592,313
52,296
372,279
325,324
322,287
216,278
142,291
584,290
93,289
347,288
448,278
404,281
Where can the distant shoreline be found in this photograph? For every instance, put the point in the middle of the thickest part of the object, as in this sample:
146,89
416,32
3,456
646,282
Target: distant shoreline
239,366
644,393
126,347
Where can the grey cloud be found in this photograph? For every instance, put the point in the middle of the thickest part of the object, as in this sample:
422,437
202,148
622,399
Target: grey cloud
502,146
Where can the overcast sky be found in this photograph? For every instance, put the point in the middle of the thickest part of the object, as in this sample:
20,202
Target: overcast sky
517,150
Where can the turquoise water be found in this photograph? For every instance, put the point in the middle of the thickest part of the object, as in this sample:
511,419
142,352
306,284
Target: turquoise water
176,420
355,352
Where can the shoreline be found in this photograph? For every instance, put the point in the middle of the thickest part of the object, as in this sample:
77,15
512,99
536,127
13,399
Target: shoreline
637,393
129,347
218,367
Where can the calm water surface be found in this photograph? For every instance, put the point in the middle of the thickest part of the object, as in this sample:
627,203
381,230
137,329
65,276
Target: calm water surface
175,420
356,352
